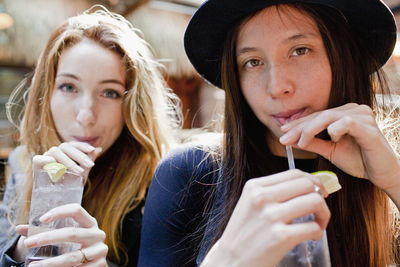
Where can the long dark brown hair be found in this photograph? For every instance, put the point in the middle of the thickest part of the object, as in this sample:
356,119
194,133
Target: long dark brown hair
360,232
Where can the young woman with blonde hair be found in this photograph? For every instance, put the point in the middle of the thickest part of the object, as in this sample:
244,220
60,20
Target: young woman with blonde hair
97,103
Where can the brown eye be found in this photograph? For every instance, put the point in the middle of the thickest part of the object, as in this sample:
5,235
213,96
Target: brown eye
253,63
300,51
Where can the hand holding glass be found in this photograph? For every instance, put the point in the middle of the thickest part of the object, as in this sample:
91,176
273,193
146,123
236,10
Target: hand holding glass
308,253
46,195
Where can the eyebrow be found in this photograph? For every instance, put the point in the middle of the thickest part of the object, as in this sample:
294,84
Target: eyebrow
102,82
113,81
69,75
302,36
290,39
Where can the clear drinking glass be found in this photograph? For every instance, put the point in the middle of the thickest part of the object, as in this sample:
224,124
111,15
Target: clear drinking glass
309,253
47,195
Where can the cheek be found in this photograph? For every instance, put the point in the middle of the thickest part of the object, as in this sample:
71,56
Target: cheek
57,109
254,91
325,90
114,121
319,85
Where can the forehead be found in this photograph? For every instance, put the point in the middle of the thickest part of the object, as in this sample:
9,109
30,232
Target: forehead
277,19
89,54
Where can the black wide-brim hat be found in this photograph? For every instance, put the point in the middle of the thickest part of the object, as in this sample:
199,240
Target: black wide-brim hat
206,33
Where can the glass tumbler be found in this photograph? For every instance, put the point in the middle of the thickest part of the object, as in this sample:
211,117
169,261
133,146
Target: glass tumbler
47,195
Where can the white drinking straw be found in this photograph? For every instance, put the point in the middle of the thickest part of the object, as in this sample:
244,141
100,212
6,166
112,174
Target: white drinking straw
290,158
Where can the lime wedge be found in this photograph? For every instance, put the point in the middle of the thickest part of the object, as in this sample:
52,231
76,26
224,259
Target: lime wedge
55,170
329,180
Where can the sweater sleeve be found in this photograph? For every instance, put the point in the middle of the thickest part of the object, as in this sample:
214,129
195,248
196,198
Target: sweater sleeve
8,236
174,209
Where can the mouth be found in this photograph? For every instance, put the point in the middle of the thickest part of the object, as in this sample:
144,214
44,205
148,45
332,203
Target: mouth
285,117
86,139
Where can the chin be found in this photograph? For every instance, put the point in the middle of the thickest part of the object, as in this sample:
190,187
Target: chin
275,132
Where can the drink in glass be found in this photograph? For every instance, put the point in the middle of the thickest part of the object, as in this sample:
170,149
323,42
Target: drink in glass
46,195
309,253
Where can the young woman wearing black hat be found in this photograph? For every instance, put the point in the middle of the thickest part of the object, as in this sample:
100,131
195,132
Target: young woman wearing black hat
299,73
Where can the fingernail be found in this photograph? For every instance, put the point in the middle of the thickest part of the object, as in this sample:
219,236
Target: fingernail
90,148
284,138
35,264
30,241
301,142
78,169
45,217
88,163
285,127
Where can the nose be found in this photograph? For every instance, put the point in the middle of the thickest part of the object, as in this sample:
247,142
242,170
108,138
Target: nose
86,114
281,82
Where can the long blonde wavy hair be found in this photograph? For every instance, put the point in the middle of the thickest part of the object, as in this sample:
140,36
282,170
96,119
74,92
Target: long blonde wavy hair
123,173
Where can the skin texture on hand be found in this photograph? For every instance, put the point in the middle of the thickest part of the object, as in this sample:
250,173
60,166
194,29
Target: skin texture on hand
357,145
88,235
78,157
261,220
20,249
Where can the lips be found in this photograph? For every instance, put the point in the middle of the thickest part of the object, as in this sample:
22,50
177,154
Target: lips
288,116
91,140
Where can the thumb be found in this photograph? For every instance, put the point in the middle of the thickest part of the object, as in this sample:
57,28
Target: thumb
321,147
95,153
22,229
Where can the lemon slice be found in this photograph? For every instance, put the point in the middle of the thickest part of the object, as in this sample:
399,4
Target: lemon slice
55,170
329,180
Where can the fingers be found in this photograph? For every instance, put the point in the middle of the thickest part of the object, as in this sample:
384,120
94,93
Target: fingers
84,236
286,196
281,177
295,123
302,201
77,156
88,235
95,255
95,153
311,203
75,211
281,192
39,161
353,119
22,229
360,127
294,234
69,155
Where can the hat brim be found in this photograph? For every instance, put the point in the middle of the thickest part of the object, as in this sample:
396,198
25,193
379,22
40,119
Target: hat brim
206,33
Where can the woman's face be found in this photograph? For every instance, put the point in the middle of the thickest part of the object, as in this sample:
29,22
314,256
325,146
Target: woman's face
86,101
283,68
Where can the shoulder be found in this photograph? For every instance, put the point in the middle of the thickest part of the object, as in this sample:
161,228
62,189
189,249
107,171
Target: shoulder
196,149
16,178
16,158
190,159
186,171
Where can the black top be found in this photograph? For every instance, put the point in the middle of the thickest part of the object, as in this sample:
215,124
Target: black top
131,234
176,203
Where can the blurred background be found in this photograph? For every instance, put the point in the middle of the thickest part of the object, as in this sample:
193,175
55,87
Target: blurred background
25,26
